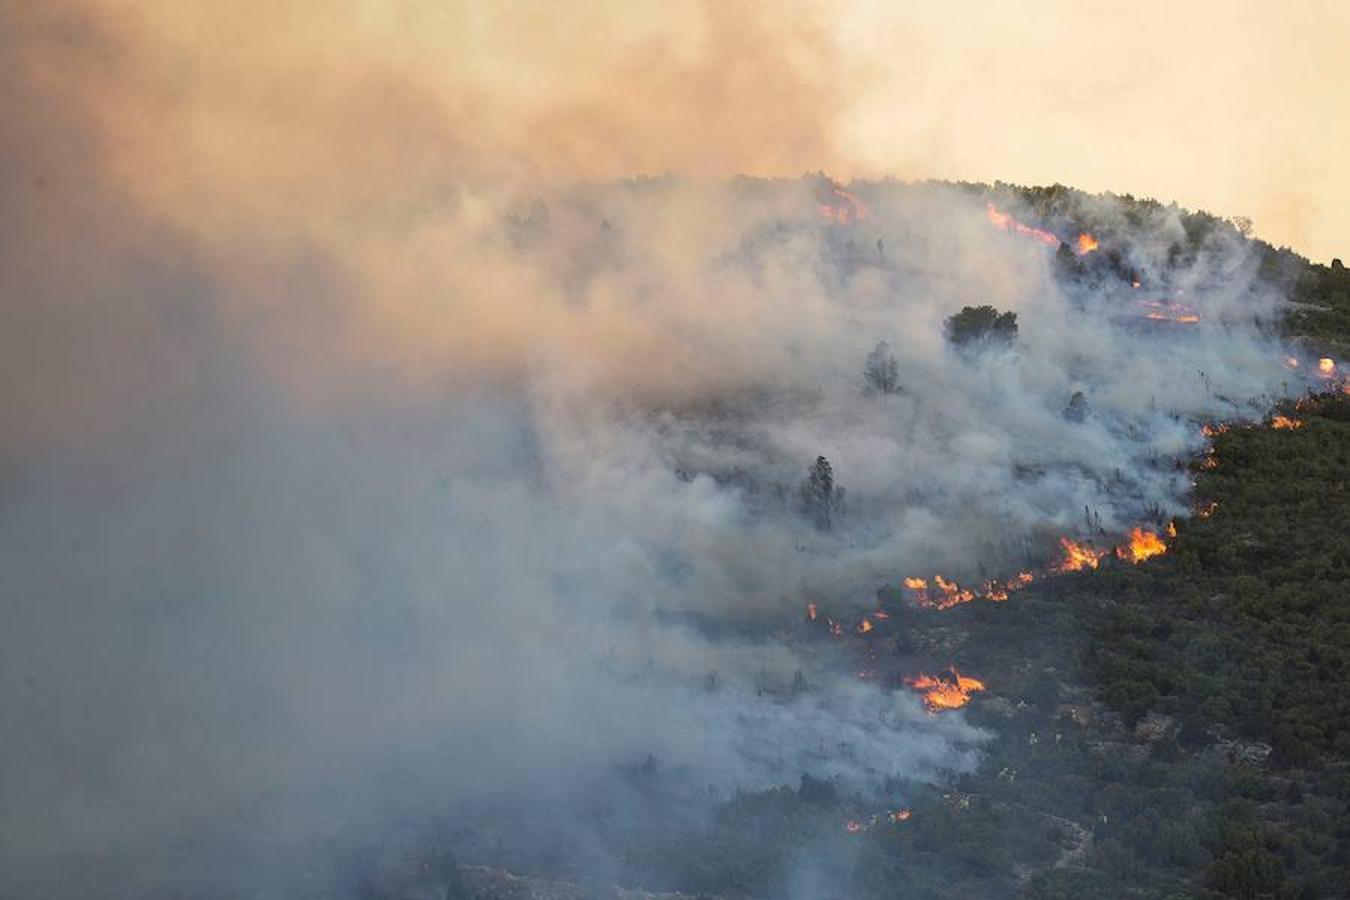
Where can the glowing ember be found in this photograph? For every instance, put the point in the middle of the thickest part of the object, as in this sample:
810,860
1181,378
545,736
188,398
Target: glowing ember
1171,529
1086,244
1135,285
1143,545
1211,431
946,690
1284,423
1204,512
864,626
853,826
1326,366
1005,222
810,612
1158,311
900,815
1078,556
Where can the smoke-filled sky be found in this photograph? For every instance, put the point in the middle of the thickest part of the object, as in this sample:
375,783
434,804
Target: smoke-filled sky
361,433
1236,107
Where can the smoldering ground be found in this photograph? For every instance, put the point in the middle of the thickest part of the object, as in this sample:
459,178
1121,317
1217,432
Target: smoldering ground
330,506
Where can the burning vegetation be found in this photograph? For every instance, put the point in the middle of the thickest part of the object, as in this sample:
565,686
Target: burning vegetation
842,207
946,690
1083,244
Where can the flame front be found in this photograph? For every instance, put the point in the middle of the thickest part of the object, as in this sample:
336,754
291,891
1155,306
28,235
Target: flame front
1159,311
946,690
1284,423
1005,222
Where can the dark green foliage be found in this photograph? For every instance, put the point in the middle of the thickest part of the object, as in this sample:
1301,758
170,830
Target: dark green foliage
821,498
981,326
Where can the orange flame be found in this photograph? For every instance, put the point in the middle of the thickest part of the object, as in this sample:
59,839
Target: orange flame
998,591
1086,244
1078,556
1204,512
901,815
1284,423
1143,545
952,593
1326,366
946,690
1005,222
864,626
844,208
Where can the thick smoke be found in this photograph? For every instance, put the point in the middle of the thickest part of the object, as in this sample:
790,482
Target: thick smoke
356,467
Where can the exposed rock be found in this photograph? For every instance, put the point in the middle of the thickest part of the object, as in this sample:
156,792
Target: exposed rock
1155,728
1243,753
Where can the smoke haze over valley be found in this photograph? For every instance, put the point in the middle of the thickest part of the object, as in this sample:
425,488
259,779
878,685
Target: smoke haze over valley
386,442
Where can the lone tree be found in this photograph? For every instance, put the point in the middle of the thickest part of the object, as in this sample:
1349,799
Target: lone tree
1067,267
881,370
976,326
821,498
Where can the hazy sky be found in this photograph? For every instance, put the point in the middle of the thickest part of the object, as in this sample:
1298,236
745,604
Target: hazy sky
1239,108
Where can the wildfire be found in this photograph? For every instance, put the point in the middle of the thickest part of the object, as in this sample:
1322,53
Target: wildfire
1078,556
1204,512
896,816
811,612
998,591
843,208
946,690
1159,311
1211,431
1143,545
1086,244
1284,423
1326,366
1005,222
952,593
864,626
